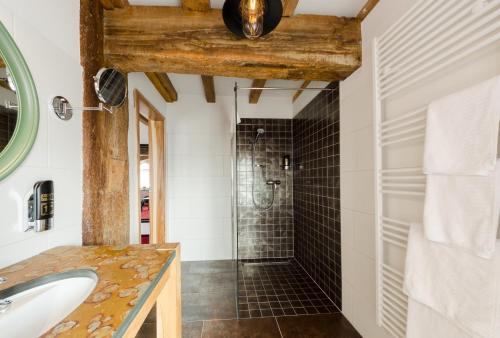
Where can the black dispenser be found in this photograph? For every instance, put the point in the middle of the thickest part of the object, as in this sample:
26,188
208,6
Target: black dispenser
41,206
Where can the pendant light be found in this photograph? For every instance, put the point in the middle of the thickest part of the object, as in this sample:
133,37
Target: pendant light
252,18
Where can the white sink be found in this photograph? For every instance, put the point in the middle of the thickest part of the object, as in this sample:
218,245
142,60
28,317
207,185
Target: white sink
38,305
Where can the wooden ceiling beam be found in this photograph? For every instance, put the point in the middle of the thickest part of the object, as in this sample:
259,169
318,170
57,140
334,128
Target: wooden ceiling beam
289,7
112,4
163,85
299,92
209,87
175,40
367,8
196,5
255,93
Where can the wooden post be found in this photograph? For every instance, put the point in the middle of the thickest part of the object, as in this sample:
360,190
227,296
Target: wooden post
105,218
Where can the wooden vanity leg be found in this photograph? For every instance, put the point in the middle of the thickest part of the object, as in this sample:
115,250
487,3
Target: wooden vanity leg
168,305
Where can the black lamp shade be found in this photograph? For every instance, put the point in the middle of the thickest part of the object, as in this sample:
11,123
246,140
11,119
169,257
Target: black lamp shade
232,16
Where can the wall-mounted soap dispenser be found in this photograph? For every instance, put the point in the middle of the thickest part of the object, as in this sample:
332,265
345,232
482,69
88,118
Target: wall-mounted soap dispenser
41,207
286,162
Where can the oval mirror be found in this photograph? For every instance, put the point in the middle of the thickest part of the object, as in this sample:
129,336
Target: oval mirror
19,111
111,87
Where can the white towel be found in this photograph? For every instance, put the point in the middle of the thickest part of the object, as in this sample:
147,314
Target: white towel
460,286
462,131
462,211
423,322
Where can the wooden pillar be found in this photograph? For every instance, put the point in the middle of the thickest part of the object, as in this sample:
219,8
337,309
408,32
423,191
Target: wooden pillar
105,145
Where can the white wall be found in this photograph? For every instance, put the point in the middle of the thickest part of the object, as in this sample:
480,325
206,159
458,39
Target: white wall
47,33
198,162
357,158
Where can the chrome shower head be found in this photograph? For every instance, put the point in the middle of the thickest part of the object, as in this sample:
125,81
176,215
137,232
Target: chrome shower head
260,131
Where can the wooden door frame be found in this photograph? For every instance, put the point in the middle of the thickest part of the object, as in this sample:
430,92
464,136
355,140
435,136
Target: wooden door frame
157,168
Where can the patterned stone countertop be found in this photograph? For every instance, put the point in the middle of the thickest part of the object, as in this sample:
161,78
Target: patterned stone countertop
127,275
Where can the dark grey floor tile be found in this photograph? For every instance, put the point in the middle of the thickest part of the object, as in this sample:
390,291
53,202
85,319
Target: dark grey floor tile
244,328
192,329
317,326
209,266
216,282
208,306
191,282
148,330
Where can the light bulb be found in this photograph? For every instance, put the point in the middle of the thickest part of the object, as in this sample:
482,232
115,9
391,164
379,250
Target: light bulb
252,14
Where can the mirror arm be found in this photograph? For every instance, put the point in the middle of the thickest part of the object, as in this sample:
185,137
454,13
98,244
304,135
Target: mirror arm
10,105
63,109
101,107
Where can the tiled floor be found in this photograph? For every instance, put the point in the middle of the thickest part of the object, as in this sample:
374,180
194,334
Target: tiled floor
279,290
294,302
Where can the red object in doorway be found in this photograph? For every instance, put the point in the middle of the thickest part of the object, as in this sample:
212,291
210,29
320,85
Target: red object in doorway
144,239
145,209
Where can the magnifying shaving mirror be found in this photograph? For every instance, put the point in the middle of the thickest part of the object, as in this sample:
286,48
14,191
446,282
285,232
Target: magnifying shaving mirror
110,86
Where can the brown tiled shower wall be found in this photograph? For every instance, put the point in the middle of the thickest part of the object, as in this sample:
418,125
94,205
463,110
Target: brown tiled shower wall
264,234
304,224
316,191
8,120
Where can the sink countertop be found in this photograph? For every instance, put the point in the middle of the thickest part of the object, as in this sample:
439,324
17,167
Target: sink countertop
127,276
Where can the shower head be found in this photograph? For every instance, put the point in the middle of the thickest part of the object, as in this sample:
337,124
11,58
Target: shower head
260,131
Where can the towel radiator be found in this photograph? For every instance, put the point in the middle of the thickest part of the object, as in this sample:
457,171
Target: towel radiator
436,48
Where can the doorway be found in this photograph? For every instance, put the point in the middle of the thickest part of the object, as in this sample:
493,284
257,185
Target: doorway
151,171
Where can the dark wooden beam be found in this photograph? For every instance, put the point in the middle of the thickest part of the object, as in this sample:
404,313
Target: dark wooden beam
163,85
255,93
105,215
196,5
112,4
172,39
367,8
299,92
289,7
209,87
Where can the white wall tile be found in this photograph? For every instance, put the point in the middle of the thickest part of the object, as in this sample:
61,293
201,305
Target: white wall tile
57,152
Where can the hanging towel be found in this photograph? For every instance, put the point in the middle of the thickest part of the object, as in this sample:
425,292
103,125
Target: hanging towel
462,131
424,322
463,211
460,286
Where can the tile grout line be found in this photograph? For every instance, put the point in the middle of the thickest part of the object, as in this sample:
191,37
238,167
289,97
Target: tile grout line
278,325
202,328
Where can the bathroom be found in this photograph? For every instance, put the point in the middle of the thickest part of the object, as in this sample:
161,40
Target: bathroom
243,188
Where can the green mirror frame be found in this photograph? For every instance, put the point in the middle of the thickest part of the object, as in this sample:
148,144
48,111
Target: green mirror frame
28,109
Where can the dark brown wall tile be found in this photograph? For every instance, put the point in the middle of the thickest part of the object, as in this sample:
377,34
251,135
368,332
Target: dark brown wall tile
316,191
264,234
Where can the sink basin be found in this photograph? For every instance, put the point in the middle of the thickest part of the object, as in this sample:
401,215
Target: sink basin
30,309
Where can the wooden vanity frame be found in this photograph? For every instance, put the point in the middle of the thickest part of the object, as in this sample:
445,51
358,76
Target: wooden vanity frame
167,297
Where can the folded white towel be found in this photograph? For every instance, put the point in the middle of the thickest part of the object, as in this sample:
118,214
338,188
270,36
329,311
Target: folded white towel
462,131
460,286
462,211
424,322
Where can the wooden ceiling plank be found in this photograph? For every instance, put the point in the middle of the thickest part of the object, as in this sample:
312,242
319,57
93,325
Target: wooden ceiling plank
209,87
367,8
163,85
299,92
175,40
289,7
255,93
196,5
